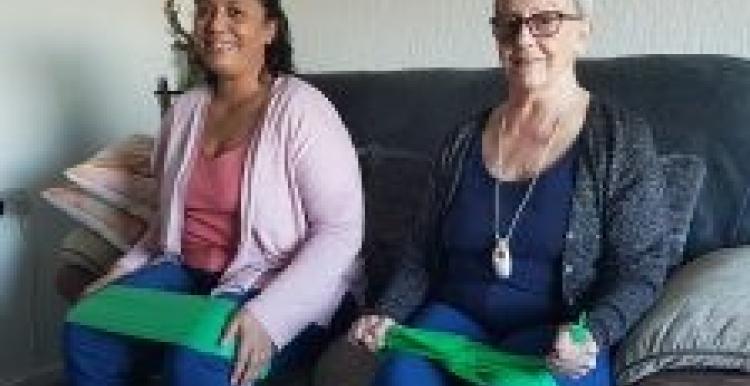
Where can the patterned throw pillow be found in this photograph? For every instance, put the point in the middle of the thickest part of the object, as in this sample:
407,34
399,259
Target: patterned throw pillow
114,225
120,175
113,198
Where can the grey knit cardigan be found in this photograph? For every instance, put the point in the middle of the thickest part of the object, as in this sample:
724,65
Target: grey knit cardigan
614,259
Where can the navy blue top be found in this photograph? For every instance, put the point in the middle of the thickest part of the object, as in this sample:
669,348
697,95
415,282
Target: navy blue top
536,246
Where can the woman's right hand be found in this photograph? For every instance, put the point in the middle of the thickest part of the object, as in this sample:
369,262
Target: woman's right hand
116,272
369,331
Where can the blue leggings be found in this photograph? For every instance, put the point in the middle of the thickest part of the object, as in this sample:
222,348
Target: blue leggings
399,369
96,358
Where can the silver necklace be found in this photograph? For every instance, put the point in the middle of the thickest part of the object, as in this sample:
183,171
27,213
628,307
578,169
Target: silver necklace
502,259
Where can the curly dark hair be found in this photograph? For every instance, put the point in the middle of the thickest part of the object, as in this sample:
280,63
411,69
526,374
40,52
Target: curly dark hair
279,60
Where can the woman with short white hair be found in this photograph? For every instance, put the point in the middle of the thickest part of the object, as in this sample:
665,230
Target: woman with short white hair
544,208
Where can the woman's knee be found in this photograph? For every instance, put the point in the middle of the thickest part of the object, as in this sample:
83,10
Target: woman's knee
93,356
78,340
73,338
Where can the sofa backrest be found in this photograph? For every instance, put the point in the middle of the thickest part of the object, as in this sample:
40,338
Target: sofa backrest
697,104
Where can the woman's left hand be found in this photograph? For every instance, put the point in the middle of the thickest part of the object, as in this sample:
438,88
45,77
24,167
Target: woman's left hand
570,358
255,347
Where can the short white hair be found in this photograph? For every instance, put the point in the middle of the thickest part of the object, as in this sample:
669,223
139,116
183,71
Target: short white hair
585,8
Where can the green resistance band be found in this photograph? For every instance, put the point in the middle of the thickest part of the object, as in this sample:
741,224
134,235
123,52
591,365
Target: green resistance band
192,321
474,362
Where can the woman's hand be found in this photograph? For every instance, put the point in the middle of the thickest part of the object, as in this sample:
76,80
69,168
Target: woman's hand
370,330
571,358
114,274
255,347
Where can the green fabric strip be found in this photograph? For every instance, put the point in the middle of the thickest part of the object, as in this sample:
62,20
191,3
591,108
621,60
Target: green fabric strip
196,322
471,361
579,332
478,363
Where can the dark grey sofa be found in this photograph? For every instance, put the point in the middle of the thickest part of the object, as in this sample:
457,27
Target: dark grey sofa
697,105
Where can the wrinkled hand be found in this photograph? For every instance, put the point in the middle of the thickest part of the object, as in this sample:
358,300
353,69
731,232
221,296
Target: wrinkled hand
369,331
255,347
115,273
569,358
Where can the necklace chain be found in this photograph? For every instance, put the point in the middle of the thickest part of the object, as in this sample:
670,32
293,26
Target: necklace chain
527,196
532,184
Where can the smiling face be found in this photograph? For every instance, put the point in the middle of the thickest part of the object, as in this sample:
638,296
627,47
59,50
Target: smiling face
231,35
538,62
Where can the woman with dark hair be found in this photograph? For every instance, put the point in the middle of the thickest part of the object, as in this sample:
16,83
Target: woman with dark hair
249,210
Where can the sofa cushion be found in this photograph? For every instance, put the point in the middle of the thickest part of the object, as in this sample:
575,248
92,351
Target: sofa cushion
86,250
701,322
83,257
345,364
684,180
696,378
394,181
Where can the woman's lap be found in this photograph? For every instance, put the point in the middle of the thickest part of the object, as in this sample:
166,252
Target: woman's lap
406,369
99,358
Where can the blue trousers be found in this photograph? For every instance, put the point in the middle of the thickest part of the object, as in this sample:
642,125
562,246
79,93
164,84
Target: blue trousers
97,358
400,369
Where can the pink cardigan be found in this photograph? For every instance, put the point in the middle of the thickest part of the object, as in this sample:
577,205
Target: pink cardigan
301,206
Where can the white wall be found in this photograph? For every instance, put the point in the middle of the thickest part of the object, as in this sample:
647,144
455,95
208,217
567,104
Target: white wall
77,74
74,75
391,34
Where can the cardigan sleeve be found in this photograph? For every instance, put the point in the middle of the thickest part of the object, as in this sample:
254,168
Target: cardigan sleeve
633,264
326,172
417,260
407,286
138,255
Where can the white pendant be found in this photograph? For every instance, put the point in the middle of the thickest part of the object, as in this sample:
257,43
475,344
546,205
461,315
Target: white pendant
501,260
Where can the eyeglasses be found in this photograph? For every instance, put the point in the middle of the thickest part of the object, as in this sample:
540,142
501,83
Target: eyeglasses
544,24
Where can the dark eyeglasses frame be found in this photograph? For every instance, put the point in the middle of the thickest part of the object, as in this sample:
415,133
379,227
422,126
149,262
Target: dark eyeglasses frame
518,21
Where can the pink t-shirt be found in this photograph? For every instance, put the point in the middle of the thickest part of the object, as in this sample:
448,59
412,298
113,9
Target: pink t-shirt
212,230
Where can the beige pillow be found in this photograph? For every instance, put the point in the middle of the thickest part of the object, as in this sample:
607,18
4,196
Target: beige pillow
116,226
121,176
702,321
132,193
132,154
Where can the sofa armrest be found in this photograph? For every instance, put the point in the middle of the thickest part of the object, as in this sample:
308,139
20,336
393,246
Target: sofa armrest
70,281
